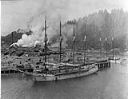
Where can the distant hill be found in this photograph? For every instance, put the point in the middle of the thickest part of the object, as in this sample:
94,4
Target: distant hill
103,24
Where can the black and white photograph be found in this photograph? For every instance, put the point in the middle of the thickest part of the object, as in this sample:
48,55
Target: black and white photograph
64,49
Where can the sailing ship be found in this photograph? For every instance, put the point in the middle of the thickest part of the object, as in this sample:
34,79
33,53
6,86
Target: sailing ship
62,70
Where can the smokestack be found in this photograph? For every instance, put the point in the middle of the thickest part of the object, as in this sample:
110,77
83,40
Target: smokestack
12,38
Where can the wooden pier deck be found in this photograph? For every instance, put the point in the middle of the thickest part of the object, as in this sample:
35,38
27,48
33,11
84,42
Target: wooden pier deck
102,65
12,69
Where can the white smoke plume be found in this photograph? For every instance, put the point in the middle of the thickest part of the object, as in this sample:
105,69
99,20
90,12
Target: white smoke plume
37,34
53,14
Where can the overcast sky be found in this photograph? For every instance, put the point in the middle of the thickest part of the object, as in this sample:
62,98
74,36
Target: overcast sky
18,13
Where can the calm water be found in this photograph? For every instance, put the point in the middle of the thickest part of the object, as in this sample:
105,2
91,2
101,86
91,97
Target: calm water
111,83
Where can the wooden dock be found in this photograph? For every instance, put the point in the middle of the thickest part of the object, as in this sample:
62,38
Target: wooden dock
103,64
12,70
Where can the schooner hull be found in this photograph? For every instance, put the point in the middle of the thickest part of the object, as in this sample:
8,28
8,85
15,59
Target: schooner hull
65,76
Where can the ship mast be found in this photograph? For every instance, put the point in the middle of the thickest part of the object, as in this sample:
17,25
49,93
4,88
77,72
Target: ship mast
84,47
45,47
60,41
106,46
113,47
74,37
100,46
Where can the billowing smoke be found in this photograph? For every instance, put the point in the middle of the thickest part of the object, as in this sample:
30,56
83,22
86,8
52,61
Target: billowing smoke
37,36
37,28
53,12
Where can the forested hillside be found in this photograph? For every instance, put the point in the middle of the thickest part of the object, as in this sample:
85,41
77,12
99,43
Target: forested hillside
102,24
